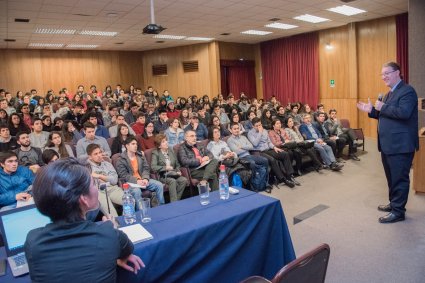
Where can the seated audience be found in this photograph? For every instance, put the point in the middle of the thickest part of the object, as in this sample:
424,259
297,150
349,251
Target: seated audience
148,139
131,115
4,117
224,119
7,142
166,165
346,135
57,143
67,184
38,137
174,133
28,155
199,160
235,118
105,173
14,181
113,130
199,128
139,126
49,155
100,131
70,133
172,112
279,160
184,118
110,114
161,125
16,124
119,141
90,137
266,119
47,123
293,135
311,133
215,122
132,167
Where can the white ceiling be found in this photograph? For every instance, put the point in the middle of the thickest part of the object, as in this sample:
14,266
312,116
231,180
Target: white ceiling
203,18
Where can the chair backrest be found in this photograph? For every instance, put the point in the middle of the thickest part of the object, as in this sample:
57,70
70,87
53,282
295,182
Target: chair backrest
203,142
148,155
345,123
308,268
255,279
114,159
110,141
225,139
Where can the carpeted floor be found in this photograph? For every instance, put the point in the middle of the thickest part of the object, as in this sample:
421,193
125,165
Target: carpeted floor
362,250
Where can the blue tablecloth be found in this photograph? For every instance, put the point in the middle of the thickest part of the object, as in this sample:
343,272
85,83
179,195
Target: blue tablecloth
224,241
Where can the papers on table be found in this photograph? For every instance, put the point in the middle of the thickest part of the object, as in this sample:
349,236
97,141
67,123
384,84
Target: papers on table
136,233
21,203
134,185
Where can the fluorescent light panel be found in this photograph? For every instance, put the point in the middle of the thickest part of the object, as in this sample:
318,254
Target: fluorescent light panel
280,26
55,31
346,10
57,45
256,32
311,18
169,36
82,46
98,33
199,38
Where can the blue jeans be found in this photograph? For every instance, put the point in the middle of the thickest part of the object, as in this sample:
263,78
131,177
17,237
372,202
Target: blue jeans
158,188
326,153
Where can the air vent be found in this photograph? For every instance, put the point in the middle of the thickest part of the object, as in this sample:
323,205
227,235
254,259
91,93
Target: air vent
17,20
159,70
190,66
119,43
10,40
274,19
160,41
225,33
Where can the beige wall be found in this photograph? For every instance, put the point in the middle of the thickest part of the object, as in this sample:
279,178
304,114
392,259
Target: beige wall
359,50
55,69
205,81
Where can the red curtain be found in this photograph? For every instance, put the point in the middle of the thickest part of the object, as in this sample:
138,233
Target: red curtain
238,76
402,44
290,68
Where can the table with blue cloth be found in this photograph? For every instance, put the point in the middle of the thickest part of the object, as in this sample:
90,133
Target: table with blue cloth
224,241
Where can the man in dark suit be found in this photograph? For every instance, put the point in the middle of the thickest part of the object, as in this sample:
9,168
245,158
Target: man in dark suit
397,115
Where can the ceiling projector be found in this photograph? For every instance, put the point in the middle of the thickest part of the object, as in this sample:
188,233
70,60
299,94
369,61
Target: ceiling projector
153,29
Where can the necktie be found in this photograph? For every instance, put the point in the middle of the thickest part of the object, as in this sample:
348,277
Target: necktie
387,96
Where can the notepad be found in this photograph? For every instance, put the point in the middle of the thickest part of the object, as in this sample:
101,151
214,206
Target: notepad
136,233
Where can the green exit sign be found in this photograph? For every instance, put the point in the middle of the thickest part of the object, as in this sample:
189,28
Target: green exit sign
332,83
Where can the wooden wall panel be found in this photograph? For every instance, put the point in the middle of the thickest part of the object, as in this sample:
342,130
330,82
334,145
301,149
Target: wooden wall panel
376,44
55,69
178,82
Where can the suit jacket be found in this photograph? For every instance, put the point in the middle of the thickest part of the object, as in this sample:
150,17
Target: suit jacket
158,161
398,121
306,132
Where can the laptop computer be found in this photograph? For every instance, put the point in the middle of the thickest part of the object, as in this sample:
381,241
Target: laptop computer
15,225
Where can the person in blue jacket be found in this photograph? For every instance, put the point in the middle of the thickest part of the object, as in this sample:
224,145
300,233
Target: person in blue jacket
14,181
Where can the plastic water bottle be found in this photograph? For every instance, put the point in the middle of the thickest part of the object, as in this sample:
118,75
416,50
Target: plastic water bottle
128,206
223,183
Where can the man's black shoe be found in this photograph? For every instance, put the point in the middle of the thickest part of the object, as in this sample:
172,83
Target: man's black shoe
289,183
295,181
384,207
354,157
268,189
391,218
336,167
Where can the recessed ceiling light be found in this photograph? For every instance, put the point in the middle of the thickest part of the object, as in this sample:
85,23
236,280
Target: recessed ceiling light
111,15
225,33
10,40
98,33
82,46
55,31
169,36
346,10
256,32
199,38
56,45
119,42
274,19
311,19
280,26
160,41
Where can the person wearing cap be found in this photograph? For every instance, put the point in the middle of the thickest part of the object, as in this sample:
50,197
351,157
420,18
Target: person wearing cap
172,112
199,128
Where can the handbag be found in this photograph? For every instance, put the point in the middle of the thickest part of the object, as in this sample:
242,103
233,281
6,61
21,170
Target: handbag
290,145
306,144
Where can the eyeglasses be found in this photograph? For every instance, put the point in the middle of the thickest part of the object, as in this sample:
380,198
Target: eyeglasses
386,74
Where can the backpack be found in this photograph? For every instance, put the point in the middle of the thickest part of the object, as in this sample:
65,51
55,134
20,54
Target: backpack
258,179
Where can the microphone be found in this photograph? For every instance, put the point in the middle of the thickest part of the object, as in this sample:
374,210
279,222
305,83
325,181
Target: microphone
380,97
